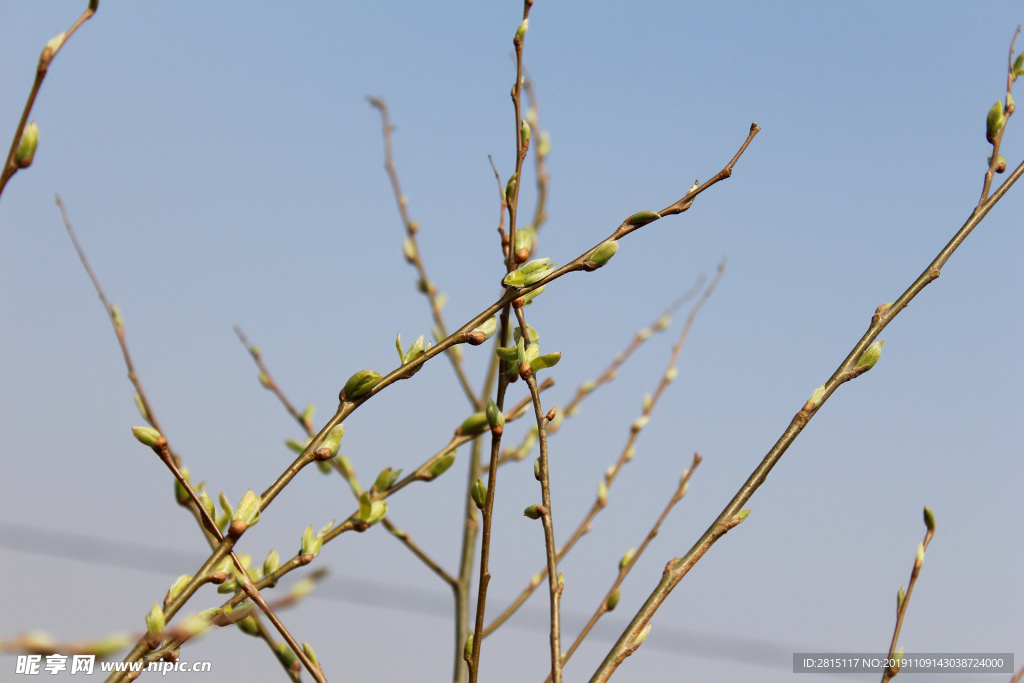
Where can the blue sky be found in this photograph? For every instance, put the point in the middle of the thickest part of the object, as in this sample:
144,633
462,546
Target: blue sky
221,166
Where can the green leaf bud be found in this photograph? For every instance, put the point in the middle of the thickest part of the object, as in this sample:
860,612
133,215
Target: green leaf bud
510,187
900,597
548,360
442,464
643,635
532,512
871,356
532,272
180,492
524,131
467,649
147,436
409,250
536,469
296,445
604,252
141,407
155,621
995,121
359,385
1000,165
311,544
919,559
272,562
627,558
495,418
479,493
929,519
308,649
640,422
473,425
371,511
207,504
249,626
521,31
630,452
307,413
386,479
613,600
26,151
178,586
226,506
671,374
544,148
287,657
1009,104
816,397
333,439
643,217
602,493
484,332
249,508
533,294
522,245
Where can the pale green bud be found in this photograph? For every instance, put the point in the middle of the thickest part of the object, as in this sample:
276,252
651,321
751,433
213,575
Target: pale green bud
1018,65
643,635
467,649
204,500
602,493
643,217
995,121
919,559
524,131
26,151
613,600
536,469
296,445
155,621
640,423
272,562
544,148
479,493
871,356
816,397
371,511
180,492
627,558
287,657
386,479
521,31
307,413
409,250
249,508
900,597
359,385
532,272
311,544
249,626
308,649
604,252
495,418
548,360
473,425
147,436
178,586
929,519
484,332
523,242
333,438
442,464
510,187
532,512
648,402
1000,165
671,374
533,294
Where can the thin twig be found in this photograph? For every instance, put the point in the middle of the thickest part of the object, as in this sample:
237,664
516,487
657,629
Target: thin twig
629,561
732,514
904,599
50,51
628,451
555,583
412,249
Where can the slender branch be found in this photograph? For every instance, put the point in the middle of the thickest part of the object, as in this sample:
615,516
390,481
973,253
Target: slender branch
997,140
540,154
11,165
611,598
847,370
555,583
904,599
412,250
627,454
